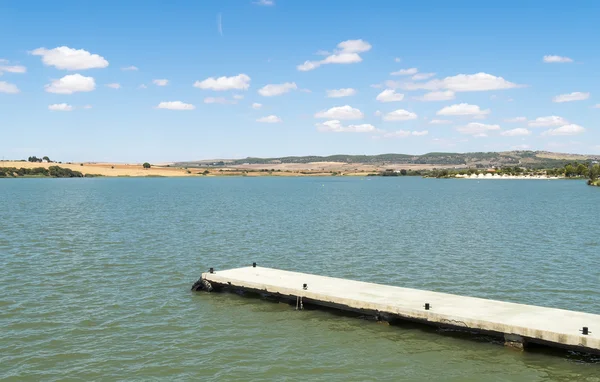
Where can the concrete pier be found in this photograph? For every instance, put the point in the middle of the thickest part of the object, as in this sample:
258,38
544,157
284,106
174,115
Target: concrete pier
518,324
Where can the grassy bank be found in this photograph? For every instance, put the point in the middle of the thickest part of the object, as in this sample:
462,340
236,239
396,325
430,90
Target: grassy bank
41,172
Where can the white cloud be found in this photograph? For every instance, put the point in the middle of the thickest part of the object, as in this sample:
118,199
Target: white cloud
341,112
477,129
272,90
87,107
389,95
405,72
405,133
463,109
114,86
571,129
439,122
239,82
70,84
160,82
67,58
397,59
6,87
13,69
377,113
516,132
575,96
335,126
422,76
238,96
129,68
142,86
459,83
175,105
256,105
347,52
557,59
597,106
376,86
220,100
3,61
437,96
515,120
269,119
60,107
552,120
338,93
266,3
399,115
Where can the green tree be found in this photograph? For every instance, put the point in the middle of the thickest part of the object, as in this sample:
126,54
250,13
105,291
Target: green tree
46,159
403,172
146,165
582,170
594,172
569,171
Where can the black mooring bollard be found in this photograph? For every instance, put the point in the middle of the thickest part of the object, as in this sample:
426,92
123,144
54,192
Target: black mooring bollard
585,331
305,286
427,306
211,270
253,265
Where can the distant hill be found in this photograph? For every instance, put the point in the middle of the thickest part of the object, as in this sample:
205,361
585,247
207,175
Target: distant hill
529,159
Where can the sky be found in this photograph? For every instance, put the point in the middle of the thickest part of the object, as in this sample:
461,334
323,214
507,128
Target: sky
132,81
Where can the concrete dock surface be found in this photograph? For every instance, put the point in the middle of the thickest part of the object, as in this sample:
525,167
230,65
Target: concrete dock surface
519,324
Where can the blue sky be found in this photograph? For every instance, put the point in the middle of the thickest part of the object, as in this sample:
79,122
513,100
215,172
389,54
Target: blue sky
512,75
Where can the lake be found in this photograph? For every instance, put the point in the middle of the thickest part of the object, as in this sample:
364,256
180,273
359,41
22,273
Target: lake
95,275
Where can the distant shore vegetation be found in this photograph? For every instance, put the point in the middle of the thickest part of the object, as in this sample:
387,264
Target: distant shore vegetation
41,172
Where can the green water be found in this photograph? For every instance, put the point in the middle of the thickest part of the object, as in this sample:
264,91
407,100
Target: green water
95,275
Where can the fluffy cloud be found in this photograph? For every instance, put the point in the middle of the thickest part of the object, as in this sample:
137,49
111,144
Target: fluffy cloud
575,96
397,59
516,132
557,59
269,119
6,87
337,93
256,105
389,95
404,134
439,122
272,90
459,83
60,107
175,105
70,84
266,3
335,126
114,86
597,106
160,82
422,76
399,115
347,52
67,58
552,120
463,109
571,129
436,96
345,112
405,72
239,82
130,68
477,129
515,120
220,100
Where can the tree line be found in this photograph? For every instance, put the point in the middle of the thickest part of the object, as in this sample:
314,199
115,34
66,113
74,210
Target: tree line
52,171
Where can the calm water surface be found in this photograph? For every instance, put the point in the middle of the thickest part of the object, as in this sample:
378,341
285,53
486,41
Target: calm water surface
95,275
